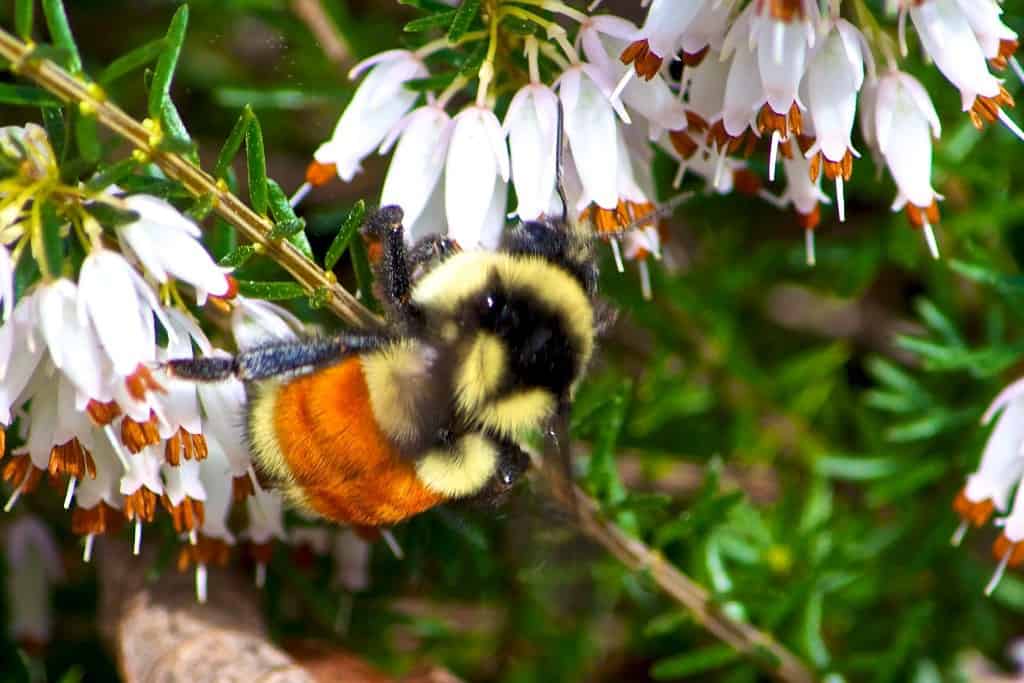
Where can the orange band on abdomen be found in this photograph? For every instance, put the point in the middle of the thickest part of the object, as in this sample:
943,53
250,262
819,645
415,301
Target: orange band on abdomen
346,468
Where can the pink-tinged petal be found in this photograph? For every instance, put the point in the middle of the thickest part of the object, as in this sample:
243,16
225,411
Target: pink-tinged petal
924,103
156,211
948,39
611,25
984,16
380,102
709,27
781,77
216,474
418,162
496,141
832,83
379,58
705,86
591,128
885,104
183,480
82,361
470,172
532,127
1001,464
494,221
666,21
908,153
744,93
107,296
1012,392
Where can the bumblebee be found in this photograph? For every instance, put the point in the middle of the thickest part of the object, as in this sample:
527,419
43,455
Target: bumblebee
479,349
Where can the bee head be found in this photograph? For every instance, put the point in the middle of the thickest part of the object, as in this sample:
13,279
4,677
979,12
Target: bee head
553,241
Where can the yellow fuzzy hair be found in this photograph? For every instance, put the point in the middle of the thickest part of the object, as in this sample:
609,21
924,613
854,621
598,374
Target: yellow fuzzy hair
462,471
518,412
481,372
397,379
266,448
466,273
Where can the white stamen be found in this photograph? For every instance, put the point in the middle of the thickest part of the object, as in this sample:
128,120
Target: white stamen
929,237
809,246
70,492
396,549
16,495
719,169
958,535
645,279
678,179
773,155
618,254
840,198
193,537
201,583
137,540
1000,570
1010,123
300,194
621,85
261,575
87,550
115,443
1017,69
777,41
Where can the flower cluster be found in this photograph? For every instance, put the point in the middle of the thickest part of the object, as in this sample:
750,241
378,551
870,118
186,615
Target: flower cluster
775,74
83,398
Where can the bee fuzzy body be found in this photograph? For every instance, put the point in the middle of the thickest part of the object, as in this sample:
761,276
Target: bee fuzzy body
482,348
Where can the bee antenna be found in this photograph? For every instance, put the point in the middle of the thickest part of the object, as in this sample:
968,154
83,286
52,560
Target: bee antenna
560,162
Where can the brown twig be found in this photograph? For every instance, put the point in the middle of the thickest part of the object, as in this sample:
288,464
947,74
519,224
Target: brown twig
761,647
313,15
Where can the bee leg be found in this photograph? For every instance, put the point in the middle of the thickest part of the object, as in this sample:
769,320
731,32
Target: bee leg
274,359
394,271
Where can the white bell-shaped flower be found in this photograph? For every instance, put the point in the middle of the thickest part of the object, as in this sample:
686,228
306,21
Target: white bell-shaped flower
532,127
167,244
379,103
476,173
590,127
418,161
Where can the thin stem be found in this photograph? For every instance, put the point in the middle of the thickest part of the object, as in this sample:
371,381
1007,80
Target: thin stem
253,227
760,646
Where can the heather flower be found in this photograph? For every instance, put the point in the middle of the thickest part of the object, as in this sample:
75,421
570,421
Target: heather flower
904,123
255,322
141,487
378,104
834,78
949,40
659,37
531,126
418,161
589,127
804,193
167,244
476,170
